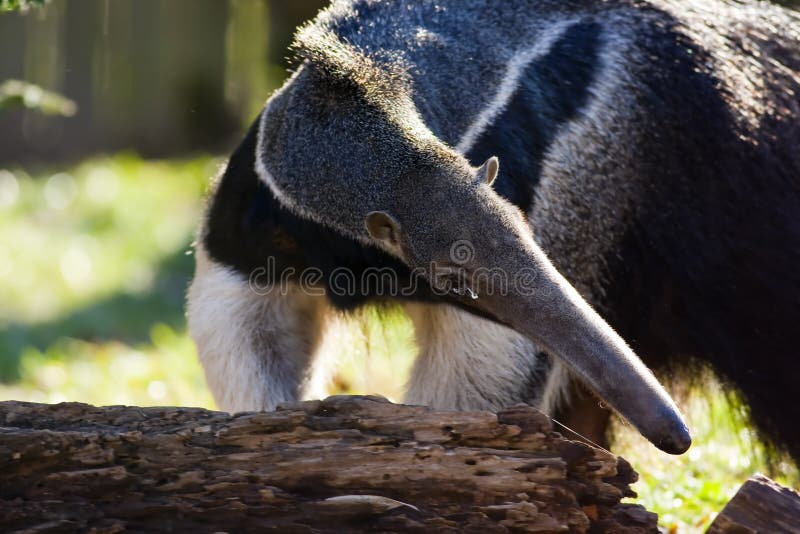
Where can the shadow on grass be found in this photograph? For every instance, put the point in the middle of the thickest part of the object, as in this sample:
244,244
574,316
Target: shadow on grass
122,317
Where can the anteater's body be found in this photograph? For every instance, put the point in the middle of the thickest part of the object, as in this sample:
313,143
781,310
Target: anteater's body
653,147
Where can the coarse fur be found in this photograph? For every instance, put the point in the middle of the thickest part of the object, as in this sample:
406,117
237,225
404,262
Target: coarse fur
654,147
274,338
490,371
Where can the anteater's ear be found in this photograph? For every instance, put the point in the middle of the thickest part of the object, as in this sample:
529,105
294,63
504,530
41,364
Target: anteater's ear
383,227
488,171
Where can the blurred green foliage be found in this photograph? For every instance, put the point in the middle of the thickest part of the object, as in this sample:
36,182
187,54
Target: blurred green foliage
688,491
15,5
192,82
16,93
93,271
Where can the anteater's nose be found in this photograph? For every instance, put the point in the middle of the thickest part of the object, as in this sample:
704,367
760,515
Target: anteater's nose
677,442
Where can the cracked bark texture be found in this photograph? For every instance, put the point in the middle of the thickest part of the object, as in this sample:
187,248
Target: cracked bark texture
344,464
760,505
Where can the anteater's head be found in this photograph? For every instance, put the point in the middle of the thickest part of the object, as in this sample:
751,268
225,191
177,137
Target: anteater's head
343,143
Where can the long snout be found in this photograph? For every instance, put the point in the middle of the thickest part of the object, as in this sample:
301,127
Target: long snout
550,311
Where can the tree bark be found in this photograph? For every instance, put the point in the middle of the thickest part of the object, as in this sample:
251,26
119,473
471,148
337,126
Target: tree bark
760,505
345,464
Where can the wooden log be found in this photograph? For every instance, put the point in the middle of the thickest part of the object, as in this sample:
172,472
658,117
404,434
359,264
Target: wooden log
760,506
345,464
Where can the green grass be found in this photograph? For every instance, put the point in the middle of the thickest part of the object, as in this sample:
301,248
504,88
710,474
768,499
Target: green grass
688,491
93,272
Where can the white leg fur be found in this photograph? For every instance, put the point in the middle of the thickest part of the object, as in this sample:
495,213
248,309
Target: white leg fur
470,363
257,350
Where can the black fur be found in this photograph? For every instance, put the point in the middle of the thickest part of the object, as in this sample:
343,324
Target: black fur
708,276
552,91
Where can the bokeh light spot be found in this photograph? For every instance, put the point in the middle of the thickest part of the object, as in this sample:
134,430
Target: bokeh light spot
76,267
9,189
60,191
102,185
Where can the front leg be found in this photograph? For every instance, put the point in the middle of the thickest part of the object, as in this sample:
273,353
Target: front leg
470,363
257,350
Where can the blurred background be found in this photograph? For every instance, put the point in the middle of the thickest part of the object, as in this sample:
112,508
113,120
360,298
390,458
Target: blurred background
113,118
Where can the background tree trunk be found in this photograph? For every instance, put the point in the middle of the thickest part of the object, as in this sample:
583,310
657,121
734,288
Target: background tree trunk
340,465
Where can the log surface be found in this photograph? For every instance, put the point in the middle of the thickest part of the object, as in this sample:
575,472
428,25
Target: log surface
760,505
345,464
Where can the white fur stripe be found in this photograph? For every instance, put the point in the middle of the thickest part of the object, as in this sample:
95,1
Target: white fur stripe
514,70
260,165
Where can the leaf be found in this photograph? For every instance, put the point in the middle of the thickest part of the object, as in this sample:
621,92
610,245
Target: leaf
16,93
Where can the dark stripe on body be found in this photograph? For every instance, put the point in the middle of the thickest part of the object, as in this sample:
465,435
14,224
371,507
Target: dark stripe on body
551,92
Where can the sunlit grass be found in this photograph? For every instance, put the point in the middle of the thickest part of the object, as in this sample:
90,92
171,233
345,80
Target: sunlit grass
688,491
95,252
373,353
93,271
163,371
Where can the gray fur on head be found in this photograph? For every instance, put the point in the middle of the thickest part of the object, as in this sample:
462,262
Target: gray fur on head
346,128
